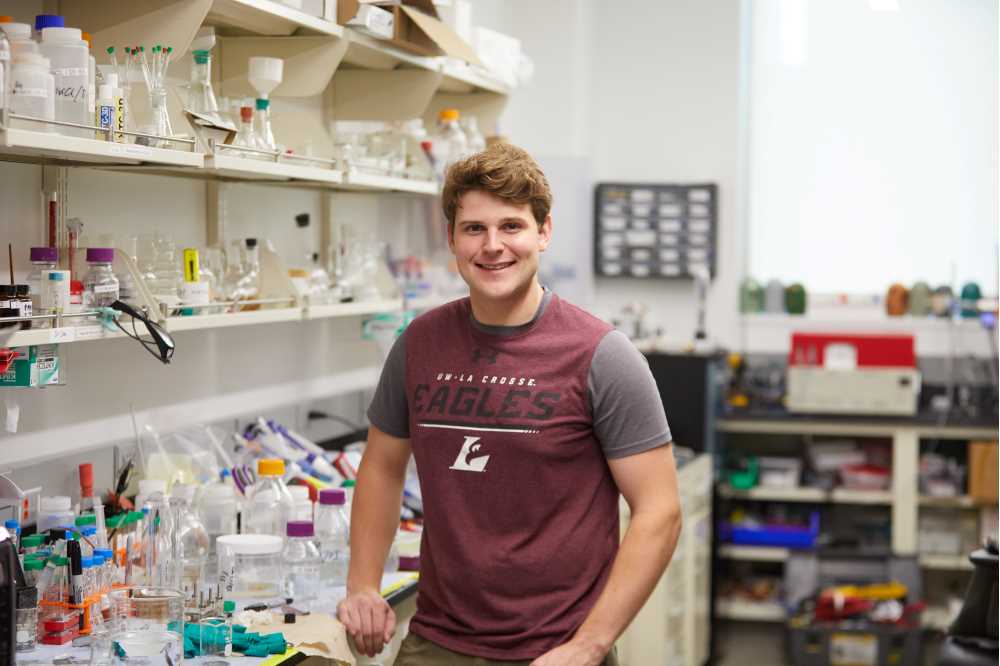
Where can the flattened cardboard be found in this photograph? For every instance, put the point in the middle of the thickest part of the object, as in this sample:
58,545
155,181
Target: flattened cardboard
446,39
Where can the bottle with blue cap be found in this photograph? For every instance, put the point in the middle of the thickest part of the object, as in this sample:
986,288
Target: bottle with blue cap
14,528
43,21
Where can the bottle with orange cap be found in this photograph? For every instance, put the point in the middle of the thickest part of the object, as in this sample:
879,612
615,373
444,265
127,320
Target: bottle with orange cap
92,76
270,504
449,142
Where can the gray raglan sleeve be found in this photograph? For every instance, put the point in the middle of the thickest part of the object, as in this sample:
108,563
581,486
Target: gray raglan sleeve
627,412
389,411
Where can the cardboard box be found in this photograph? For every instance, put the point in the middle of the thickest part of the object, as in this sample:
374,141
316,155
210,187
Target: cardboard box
984,480
37,365
416,28
375,21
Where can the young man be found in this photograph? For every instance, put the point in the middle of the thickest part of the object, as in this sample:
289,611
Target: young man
527,417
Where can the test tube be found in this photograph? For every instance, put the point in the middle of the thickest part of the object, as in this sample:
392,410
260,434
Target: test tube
102,530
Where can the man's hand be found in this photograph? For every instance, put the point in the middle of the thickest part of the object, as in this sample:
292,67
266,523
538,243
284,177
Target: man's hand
575,653
369,620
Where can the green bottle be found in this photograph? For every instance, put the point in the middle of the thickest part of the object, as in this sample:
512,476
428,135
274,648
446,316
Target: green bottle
795,299
971,293
751,296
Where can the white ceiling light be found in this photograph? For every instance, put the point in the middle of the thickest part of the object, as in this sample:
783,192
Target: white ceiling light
884,5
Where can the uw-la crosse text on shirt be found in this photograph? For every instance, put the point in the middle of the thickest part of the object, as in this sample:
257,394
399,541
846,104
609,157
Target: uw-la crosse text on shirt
510,428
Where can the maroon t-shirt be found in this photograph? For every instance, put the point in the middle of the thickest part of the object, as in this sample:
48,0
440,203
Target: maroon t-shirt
520,508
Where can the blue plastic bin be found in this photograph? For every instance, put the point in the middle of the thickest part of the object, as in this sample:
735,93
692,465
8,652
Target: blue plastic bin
784,536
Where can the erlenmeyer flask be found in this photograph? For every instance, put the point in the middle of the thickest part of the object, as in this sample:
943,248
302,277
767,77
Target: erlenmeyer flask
201,97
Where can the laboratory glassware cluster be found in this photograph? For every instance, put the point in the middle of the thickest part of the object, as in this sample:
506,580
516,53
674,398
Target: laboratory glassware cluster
197,528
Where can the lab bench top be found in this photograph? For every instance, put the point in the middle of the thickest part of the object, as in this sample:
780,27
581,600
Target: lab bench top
781,422
396,588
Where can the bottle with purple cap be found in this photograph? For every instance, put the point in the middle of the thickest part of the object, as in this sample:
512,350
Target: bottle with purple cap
100,286
332,533
43,260
302,562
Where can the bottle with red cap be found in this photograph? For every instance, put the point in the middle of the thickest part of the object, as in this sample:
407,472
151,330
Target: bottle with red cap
86,471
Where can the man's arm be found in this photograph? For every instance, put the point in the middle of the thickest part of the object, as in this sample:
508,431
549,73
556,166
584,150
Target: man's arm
374,521
648,481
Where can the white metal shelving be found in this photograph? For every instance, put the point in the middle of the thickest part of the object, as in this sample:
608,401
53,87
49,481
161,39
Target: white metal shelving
268,18
802,494
946,562
244,168
227,319
749,611
352,309
359,180
54,148
62,334
460,77
753,553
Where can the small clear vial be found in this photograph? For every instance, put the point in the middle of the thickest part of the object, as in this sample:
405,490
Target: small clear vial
43,260
100,286
228,607
302,562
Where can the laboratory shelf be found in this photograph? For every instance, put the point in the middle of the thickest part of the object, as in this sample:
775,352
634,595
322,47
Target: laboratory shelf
460,77
957,502
242,168
800,494
268,18
51,148
369,53
358,180
353,309
946,562
47,336
753,553
753,611
227,319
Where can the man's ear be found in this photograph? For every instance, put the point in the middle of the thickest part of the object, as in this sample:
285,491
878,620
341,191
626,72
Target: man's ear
545,233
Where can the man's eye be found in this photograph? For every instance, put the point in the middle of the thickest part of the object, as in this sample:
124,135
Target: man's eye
512,226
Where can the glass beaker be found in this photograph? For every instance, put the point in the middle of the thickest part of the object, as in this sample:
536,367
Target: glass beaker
147,626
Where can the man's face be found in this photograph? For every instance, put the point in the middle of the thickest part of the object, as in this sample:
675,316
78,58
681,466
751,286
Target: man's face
496,245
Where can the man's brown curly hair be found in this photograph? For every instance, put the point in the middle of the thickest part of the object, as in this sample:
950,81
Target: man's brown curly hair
503,170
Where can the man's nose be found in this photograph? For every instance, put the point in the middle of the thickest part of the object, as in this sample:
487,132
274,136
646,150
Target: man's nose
492,242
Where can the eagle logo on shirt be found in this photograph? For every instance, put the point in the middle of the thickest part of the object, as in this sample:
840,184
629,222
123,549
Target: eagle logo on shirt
467,461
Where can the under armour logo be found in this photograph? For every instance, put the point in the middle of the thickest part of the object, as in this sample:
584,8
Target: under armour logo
489,355
466,461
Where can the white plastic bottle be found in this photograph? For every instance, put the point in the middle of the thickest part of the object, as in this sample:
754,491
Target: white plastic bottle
270,506
218,511
4,69
477,142
105,109
303,505
19,35
33,90
302,562
54,511
70,62
332,533
449,142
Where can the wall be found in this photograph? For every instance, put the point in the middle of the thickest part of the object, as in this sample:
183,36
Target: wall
634,91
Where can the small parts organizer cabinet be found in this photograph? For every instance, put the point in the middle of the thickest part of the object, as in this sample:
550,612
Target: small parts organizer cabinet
673,626
655,230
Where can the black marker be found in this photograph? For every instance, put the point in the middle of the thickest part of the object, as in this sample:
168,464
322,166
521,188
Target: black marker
75,574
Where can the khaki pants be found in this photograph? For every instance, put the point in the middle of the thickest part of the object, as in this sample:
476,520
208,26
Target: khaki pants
417,651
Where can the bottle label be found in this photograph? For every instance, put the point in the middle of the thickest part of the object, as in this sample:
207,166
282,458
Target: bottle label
25,91
75,94
105,117
105,289
71,71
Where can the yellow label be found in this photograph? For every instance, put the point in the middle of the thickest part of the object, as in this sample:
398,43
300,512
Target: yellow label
192,272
